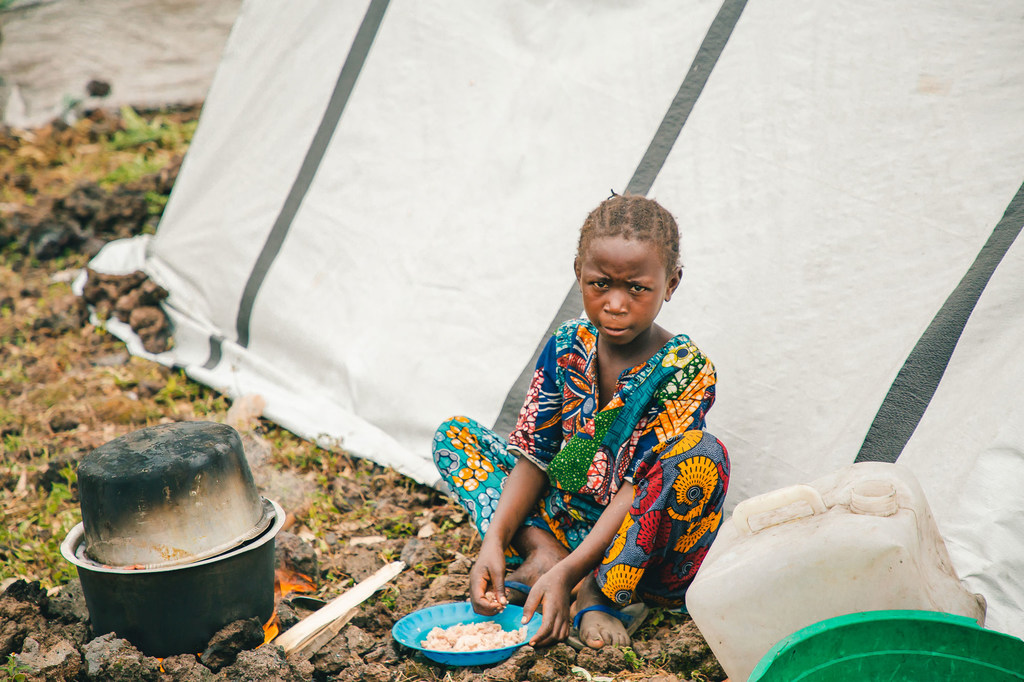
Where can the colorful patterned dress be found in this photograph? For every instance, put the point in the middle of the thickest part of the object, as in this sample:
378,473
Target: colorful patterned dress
650,434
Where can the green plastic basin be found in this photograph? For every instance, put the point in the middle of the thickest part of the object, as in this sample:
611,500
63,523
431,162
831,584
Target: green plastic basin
896,646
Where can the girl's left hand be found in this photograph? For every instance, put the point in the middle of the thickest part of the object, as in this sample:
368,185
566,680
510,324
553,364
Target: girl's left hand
551,595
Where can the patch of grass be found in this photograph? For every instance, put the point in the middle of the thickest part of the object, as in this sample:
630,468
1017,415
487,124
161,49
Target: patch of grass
396,527
177,388
156,203
159,130
135,168
30,542
321,516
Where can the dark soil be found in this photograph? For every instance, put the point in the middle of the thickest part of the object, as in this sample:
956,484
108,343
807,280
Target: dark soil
68,387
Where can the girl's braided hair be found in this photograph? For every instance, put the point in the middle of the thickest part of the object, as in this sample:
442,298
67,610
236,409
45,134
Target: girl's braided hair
633,217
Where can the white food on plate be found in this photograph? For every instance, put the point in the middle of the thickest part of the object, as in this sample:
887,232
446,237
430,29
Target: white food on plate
473,637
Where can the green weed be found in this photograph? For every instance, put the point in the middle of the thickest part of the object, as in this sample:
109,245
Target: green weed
138,167
32,545
633,660
13,670
156,203
396,528
139,132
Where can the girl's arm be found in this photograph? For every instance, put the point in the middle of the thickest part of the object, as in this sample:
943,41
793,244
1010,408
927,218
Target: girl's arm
553,590
524,486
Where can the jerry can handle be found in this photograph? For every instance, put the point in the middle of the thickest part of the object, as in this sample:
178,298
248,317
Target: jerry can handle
776,500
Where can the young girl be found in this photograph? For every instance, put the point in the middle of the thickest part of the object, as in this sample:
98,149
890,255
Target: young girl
608,492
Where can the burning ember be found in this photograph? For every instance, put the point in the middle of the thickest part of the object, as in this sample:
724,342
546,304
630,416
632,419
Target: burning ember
285,582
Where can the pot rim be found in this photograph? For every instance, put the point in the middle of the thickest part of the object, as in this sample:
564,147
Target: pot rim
254,532
75,540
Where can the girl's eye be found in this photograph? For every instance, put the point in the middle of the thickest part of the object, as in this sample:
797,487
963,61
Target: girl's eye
638,289
600,284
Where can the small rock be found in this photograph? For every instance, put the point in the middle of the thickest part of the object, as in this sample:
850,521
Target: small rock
97,88
231,639
461,565
427,530
563,653
185,668
28,592
417,551
111,659
267,664
342,651
55,658
286,616
607,659
544,671
17,619
512,669
294,553
68,604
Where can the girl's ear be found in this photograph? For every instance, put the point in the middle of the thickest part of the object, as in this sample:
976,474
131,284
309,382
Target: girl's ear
576,267
673,283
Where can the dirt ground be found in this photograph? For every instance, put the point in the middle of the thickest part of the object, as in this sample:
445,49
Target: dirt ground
67,387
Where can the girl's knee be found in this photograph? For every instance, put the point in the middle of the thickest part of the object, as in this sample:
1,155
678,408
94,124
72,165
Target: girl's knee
450,429
698,444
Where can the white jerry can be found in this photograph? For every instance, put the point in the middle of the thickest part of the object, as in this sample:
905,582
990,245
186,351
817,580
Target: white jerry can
860,539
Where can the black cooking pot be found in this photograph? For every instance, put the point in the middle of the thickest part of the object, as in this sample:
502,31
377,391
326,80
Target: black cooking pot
177,609
169,494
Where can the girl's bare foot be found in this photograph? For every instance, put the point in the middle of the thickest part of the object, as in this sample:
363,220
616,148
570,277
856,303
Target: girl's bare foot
540,551
597,628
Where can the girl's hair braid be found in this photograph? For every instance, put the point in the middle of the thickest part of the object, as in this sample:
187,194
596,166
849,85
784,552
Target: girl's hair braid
633,217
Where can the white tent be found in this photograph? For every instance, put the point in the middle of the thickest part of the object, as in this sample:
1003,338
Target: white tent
375,224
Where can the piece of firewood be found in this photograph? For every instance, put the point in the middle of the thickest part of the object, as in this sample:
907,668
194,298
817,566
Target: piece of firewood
336,609
313,644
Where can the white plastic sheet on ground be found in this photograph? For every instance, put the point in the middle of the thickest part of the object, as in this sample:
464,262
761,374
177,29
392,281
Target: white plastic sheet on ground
840,172
150,52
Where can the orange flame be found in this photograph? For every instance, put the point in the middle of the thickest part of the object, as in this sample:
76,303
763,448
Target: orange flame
270,628
285,582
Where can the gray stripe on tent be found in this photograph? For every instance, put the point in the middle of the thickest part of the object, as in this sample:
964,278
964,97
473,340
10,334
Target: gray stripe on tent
339,98
216,349
915,384
643,177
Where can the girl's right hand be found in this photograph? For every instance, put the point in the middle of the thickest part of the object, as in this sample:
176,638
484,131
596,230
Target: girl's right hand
487,581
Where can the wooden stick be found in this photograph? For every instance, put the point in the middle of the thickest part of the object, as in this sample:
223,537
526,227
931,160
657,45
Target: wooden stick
336,609
313,644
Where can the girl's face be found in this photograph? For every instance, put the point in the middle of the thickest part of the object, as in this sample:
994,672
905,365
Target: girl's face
624,284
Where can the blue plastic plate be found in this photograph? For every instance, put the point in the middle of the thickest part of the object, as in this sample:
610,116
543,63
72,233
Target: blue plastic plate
414,628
